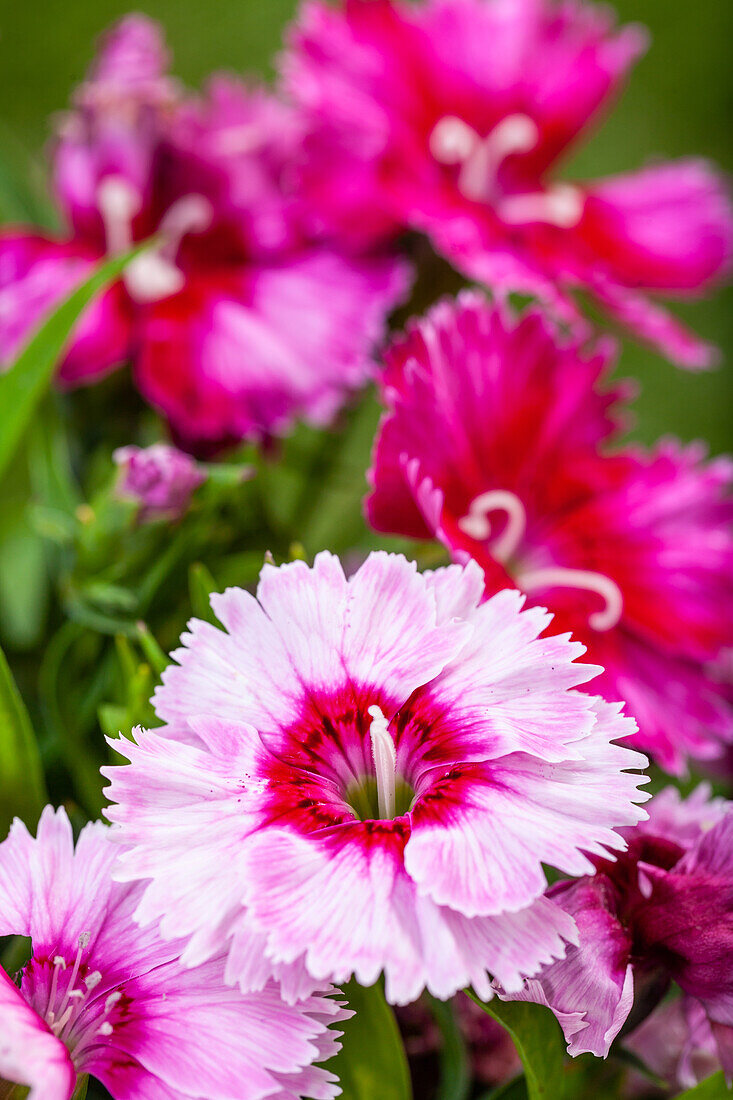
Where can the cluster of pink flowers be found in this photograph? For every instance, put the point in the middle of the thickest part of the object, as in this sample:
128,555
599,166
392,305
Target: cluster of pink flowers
365,776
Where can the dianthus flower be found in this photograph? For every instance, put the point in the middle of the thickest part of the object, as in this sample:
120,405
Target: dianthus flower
376,769
237,320
676,1042
160,479
493,442
100,996
661,912
450,117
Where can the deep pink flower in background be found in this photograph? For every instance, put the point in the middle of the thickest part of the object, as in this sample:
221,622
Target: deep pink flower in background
367,775
450,117
662,911
160,479
495,441
101,996
239,319
676,1042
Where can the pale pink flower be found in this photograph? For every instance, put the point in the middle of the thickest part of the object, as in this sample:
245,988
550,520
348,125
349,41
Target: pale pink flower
101,996
367,774
451,117
496,442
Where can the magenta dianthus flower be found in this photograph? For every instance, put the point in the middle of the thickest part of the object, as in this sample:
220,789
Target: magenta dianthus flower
366,775
661,912
450,116
101,996
238,320
496,442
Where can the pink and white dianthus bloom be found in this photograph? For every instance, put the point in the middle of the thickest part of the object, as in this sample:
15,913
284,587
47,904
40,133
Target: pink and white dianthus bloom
100,996
367,775
450,117
495,441
660,912
237,320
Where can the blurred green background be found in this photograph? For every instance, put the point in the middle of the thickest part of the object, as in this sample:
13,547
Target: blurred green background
679,101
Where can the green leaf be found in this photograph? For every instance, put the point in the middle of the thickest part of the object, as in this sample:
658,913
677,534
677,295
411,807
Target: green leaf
713,1088
515,1089
455,1070
372,1061
23,385
200,586
539,1041
22,789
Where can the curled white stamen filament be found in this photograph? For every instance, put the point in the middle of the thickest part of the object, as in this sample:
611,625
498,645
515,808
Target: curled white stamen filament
454,142
561,205
153,274
118,204
385,762
477,525
584,580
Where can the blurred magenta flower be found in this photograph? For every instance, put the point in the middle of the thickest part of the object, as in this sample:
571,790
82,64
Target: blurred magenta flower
660,912
367,775
451,116
676,1042
159,478
495,442
238,318
100,996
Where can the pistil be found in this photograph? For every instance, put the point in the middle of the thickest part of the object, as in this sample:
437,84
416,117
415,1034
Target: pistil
385,762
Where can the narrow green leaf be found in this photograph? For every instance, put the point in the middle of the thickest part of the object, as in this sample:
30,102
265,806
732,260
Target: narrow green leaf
23,385
713,1088
455,1069
537,1036
22,790
200,586
372,1062
159,660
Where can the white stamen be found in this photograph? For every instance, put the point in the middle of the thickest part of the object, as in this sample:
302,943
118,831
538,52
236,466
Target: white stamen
585,580
105,1029
385,762
190,214
452,140
561,205
153,274
477,525
92,980
111,1001
150,277
118,204
455,142
83,943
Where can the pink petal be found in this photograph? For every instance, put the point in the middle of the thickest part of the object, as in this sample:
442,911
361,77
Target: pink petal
30,1054
351,908
36,274
243,356
49,891
472,850
591,990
